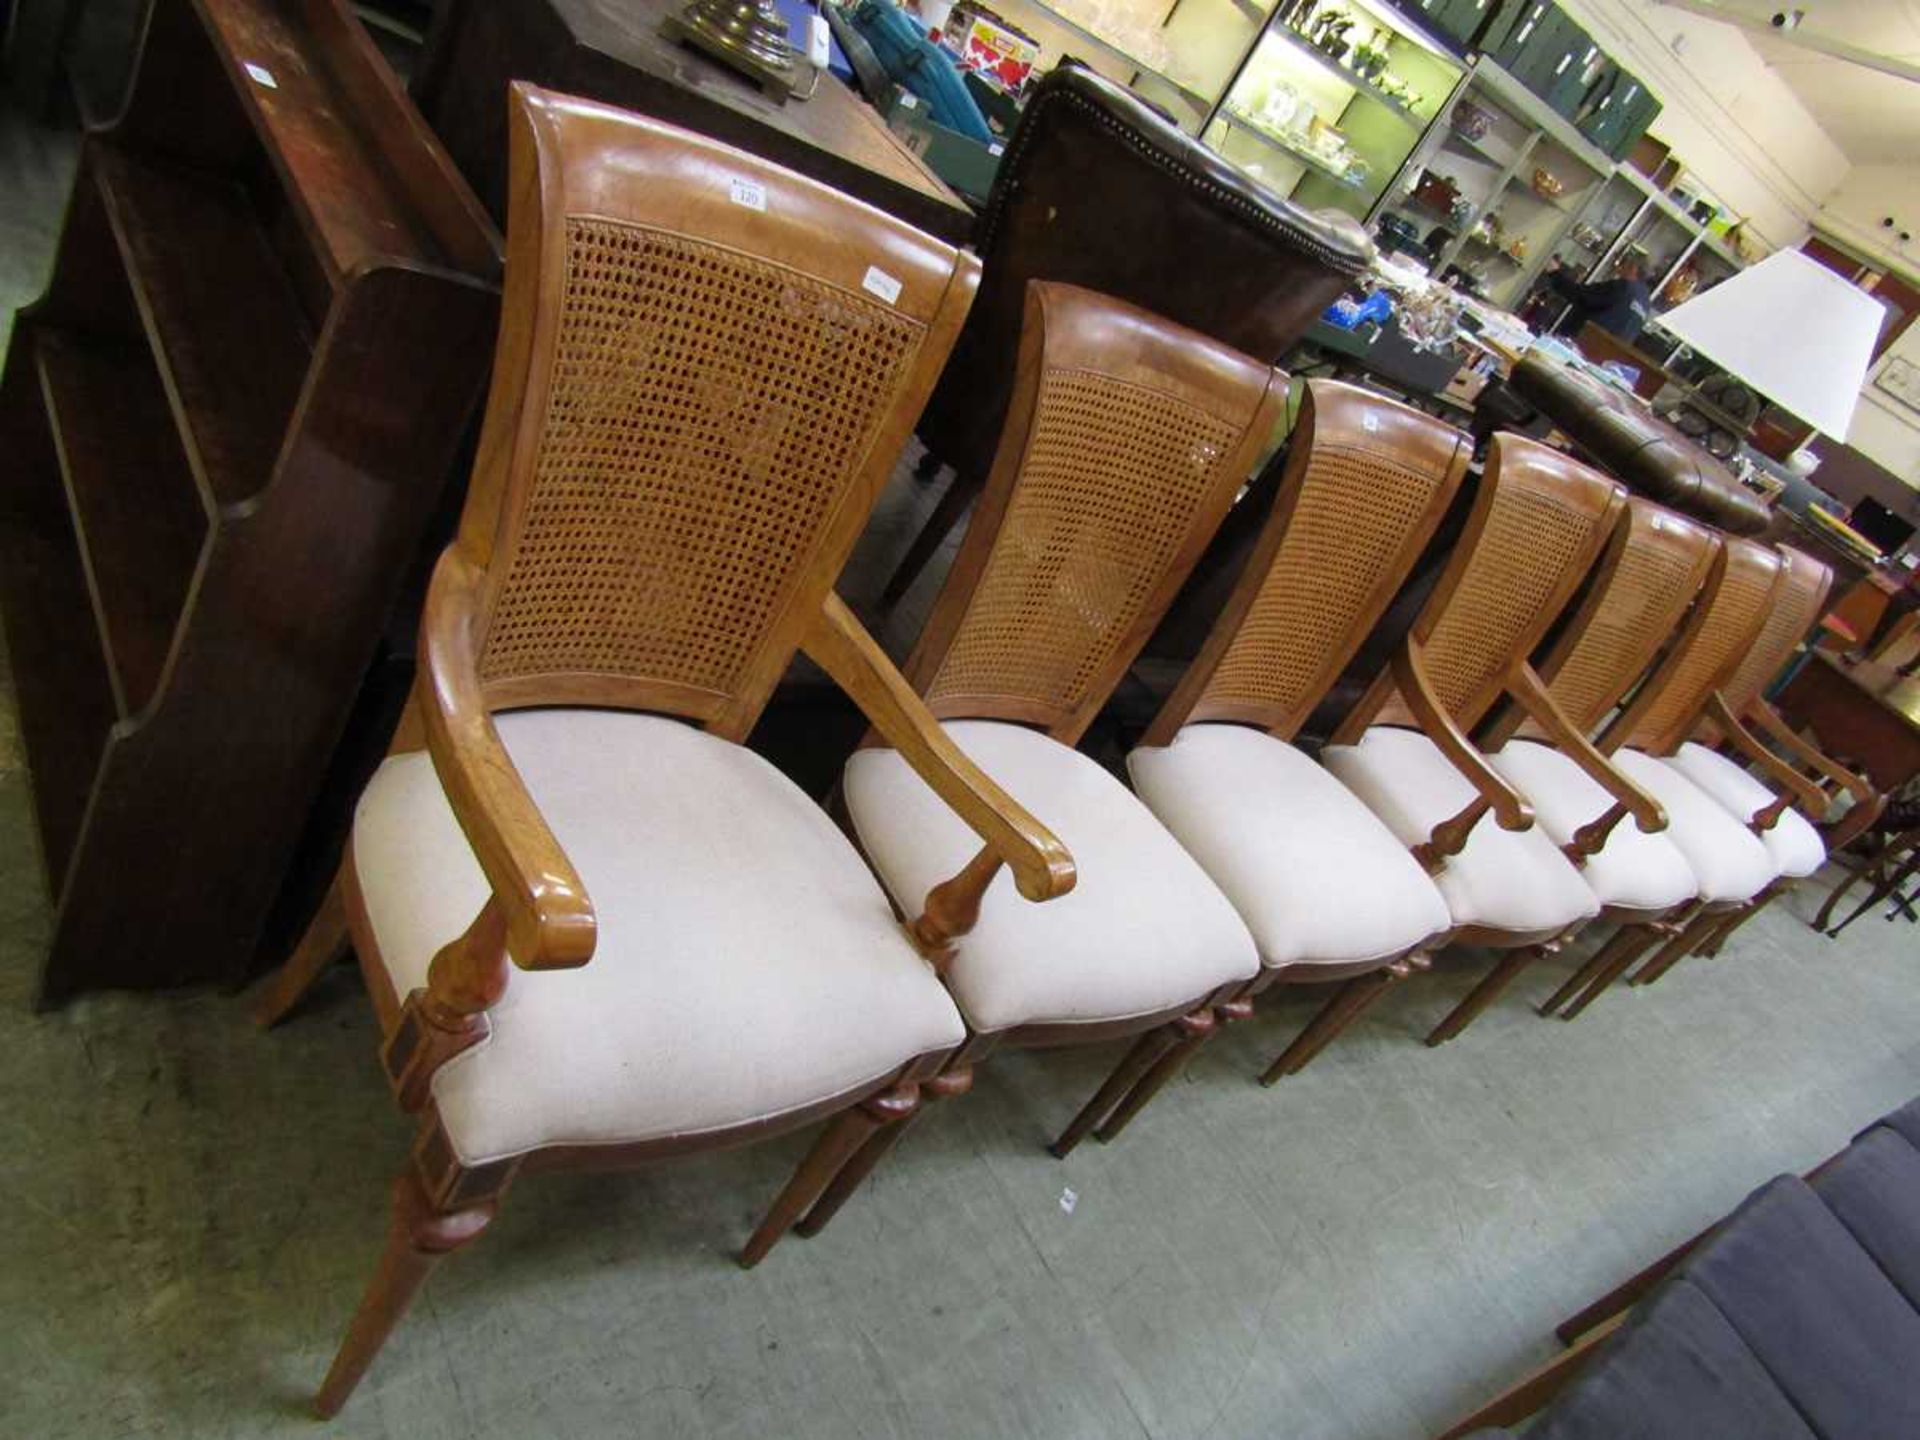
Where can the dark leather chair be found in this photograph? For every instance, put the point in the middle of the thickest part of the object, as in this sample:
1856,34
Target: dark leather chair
1098,189
1636,447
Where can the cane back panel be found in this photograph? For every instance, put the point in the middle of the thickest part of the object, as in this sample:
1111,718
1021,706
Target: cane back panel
1541,519
1656,567
1137,434
1724,627
697,397
1797,603
1367,480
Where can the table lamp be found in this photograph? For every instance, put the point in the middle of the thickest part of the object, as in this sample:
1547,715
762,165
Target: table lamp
1791,329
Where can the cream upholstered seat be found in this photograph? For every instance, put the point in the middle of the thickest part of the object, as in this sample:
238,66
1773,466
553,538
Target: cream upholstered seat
1795,846
1634,870
726,899
1728,860
1506,880
1313,872
1143,930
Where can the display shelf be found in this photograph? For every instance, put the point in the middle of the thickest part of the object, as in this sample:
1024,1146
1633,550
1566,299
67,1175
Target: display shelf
57,668
1301,46
1081,30
228,423
1293,152
223,320
136,514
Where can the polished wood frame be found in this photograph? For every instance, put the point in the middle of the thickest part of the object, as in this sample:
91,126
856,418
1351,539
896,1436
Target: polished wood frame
1334,417
1407,693
1069,331
571,159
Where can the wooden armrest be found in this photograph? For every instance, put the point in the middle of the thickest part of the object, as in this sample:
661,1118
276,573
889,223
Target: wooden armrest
1526,686
841,646
1811,756
549,919
1799,790
1510,809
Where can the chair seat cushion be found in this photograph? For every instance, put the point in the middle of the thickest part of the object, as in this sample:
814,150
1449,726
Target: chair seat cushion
1727,858
1677,1370
1796,847
1816,1310
1314,873
1143,929
1873,1188
747,964
1515,882
1634,870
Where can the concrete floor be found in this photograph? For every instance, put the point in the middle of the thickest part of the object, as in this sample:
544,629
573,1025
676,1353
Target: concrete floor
192,1206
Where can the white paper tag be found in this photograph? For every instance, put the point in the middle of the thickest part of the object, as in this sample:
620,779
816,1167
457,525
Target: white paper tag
262,76
1068,1199
909,102
996,148
879,282
749,193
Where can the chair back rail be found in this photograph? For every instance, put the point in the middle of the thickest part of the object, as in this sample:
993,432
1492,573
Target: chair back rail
706,368
1126,441
1805,584
1365,483
1539,521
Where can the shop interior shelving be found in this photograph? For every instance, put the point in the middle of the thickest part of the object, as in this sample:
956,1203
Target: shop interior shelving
1507,173
1331,124
1180,56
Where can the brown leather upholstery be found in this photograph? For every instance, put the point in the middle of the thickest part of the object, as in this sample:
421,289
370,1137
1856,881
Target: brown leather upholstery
1097,189
1637,447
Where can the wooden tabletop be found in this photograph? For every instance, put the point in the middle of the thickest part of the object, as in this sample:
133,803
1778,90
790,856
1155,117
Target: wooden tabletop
613,50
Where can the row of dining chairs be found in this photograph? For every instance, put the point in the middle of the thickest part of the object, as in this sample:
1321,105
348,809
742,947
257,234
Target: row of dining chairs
695,406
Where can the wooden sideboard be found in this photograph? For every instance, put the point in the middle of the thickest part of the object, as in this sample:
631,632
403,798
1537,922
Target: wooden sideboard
223,430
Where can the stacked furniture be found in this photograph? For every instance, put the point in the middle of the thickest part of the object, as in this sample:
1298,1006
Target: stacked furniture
227,424
1797,1316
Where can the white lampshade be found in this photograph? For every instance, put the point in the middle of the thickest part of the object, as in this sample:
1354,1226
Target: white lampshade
1791,329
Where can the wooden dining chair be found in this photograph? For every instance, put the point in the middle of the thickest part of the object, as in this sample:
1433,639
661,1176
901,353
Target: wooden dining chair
1730,863
1750,760
1331,897
1540,520
1652,572
1126,441
707,367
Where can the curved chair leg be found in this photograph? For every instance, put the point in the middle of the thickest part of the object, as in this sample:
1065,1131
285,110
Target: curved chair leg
1190,1033
1712,945
1489,990
1140,1058
839,1144
948,513
325,941
1608,964
1348,1004
1697,930
420,1236
945,1086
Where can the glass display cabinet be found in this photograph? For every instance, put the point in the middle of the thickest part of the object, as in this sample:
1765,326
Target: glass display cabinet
1178,54
1494,190
1330,101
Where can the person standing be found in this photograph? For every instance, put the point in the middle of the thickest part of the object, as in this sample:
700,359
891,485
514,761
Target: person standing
1621,306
